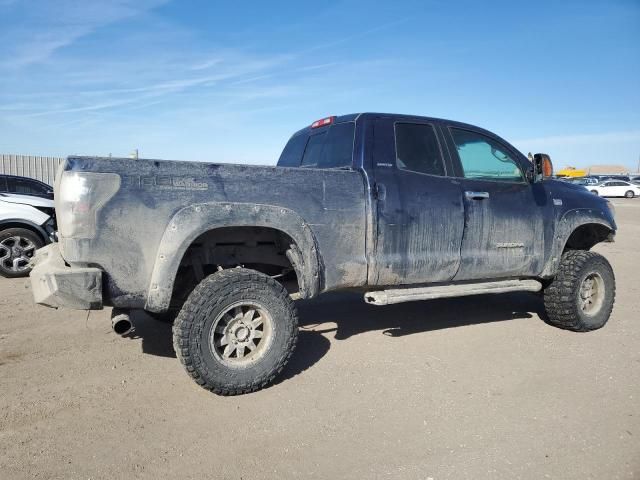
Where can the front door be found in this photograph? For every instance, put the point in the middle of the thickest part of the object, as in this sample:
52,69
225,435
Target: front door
504,213
420,215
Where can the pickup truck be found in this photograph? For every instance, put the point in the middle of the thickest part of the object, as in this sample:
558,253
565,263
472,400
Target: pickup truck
398,207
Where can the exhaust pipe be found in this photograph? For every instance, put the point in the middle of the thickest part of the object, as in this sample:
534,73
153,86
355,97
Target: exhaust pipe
121,322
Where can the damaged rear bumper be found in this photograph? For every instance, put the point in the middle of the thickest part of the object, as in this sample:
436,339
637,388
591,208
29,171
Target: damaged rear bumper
55,284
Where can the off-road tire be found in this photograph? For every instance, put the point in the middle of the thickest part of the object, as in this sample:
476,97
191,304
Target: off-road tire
213,296
563,295
629,194
33,237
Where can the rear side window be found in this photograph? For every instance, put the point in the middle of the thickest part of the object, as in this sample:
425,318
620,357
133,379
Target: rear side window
292,154
417,149
331,148
25,186
484,158
3,184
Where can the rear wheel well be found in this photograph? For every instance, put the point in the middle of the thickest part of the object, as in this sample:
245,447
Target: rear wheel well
264,249
586,236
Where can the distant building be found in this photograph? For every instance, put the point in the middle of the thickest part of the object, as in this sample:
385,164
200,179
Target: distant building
40,168
608,169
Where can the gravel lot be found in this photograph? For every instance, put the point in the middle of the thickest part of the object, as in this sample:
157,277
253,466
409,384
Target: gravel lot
450,389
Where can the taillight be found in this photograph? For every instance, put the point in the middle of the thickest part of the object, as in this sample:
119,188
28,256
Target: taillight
79,198
323,122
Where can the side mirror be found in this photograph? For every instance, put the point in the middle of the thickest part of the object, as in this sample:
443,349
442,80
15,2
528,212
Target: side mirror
542,167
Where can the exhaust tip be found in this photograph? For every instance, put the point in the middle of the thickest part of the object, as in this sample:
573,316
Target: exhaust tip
121,322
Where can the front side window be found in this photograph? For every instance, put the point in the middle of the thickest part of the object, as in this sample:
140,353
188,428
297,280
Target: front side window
3,184
417,149
484,158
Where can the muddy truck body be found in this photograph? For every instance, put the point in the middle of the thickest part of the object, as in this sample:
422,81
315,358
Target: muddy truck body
398,207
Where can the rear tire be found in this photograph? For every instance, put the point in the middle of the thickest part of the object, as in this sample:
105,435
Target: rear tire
236,331
629,194
17,247
581,296
595,192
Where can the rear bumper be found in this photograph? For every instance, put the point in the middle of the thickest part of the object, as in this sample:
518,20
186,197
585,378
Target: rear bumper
54,284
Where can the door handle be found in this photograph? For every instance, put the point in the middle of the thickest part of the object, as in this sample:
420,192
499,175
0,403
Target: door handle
476,195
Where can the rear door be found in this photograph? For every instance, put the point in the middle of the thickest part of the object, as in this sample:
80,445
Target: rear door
610,189
420,217
622,188
504,234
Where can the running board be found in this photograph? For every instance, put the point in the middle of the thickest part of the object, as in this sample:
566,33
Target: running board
400,295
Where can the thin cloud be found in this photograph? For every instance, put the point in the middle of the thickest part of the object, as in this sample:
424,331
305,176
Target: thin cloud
356,36
48,26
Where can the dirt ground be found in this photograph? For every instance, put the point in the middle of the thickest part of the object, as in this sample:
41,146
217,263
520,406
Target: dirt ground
476,388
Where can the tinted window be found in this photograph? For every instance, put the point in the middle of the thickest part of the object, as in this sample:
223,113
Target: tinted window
3,184
292,154
26,186
331,148
417,149
483,157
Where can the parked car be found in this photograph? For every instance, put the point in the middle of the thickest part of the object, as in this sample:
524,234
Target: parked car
606,178
398,207
615,188
25,186
26,224
583,181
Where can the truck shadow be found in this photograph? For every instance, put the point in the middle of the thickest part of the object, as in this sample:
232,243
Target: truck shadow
352,316
345,315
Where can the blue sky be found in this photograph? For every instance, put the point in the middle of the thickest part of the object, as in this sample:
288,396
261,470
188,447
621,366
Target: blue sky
230,81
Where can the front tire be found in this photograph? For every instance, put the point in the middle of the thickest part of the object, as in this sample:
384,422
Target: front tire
629,194
581,296
17,248
236,331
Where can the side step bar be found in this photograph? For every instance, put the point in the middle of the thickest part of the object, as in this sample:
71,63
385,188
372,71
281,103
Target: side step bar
400,295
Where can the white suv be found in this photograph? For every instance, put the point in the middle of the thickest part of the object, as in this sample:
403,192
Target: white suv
26,224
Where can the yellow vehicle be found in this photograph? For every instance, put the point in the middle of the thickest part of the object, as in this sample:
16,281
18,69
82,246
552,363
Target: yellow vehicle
571,172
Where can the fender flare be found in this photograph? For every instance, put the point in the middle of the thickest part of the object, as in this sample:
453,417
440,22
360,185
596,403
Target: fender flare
567,224
192,221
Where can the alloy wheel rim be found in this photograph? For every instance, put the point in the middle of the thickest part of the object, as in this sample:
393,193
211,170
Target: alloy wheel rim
15,253
241,334
592,293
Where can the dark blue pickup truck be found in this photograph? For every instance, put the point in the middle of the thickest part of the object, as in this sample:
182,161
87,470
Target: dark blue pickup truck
399,207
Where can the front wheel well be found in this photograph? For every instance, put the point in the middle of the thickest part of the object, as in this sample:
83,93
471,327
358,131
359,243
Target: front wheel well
584,237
